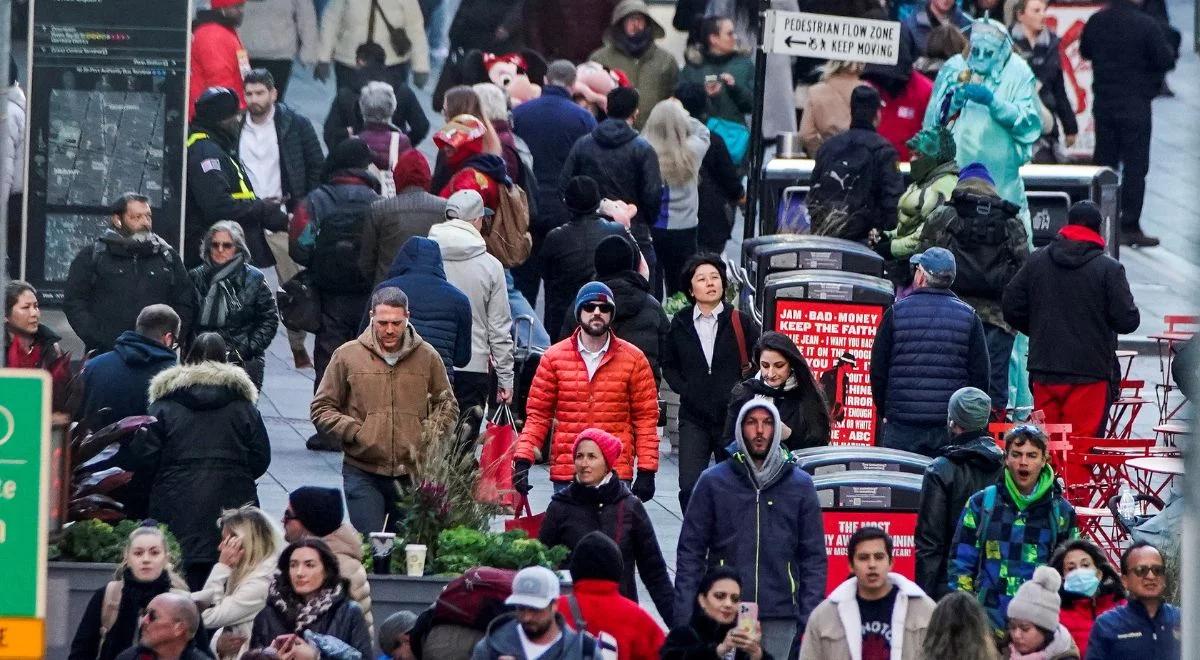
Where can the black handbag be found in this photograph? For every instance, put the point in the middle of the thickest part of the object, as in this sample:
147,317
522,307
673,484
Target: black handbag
299,304
399,38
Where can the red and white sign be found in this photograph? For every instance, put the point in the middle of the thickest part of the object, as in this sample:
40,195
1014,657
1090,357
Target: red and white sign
836,339
1066,19
841,524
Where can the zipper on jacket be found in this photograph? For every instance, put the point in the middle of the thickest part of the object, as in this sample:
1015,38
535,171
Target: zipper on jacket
757,539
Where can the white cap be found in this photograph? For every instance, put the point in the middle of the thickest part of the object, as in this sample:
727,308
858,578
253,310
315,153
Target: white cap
466,205
535,587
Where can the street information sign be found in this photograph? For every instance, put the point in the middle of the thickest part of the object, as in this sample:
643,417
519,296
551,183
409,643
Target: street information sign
826,37
24,490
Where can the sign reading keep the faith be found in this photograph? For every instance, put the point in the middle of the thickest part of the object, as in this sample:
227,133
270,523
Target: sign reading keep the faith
826,37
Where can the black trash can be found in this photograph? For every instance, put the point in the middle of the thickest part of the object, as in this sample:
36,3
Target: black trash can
819,461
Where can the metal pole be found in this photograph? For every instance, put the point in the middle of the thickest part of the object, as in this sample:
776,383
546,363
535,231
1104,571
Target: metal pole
5,47
754,187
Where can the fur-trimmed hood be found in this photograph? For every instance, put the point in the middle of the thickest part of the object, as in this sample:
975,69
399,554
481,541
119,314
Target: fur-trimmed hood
203,386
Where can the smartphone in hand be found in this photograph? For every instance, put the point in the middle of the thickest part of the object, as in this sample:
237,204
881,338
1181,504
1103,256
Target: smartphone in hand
747,620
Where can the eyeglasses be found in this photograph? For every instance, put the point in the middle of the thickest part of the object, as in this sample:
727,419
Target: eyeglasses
1146,570
222,245
288,516
592,308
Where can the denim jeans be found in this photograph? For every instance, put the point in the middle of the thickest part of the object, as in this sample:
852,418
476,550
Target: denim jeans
927,440
372,497
519,306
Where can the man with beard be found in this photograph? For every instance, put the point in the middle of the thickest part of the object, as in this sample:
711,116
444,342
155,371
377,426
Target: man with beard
218,57
779,550
535,629
592,379
218,187
121,273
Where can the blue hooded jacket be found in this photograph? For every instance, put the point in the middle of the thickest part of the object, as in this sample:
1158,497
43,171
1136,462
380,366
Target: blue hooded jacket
438,311
779,549
120,378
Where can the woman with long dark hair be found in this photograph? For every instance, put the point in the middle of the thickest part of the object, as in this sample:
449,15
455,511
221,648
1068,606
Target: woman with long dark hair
784,378
712,633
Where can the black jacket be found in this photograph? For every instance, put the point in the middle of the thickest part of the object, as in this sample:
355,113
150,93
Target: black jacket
1129,52
970,463
625,166
218,188
205,452
640,319
568,260
250,324
135,596
887,184
120,378
112,279
612,509
345,118
802,408
698,640
703,391
1043,58
301,160
1072,300
474,26
344,621
720,187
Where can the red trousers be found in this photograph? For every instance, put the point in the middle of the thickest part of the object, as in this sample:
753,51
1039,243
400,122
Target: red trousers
1082,405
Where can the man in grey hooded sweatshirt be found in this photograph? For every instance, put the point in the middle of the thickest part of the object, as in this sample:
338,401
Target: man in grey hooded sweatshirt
779,549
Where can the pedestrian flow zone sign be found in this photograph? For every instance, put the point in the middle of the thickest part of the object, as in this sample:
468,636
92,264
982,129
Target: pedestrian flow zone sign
826,37
24,487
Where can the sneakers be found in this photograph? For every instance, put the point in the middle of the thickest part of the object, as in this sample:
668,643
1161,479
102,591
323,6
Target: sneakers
300,356
318,442
1138,238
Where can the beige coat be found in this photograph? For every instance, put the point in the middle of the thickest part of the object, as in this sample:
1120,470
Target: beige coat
346,545
345,23
235,610
281,30
378,411
827,111
825,637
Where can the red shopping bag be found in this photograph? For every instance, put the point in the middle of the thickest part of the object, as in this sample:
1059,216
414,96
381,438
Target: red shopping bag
496,462
524,518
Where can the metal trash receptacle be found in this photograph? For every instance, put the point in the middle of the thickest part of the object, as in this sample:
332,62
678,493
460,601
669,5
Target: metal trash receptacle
832,317
863,498
780,253
819,461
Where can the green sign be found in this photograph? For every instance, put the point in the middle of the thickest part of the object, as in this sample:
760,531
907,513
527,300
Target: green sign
24,485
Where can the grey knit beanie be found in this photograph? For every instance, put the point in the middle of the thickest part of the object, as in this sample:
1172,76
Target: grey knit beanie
1037,601
970,408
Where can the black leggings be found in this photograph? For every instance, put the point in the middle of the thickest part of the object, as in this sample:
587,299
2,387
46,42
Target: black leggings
673,248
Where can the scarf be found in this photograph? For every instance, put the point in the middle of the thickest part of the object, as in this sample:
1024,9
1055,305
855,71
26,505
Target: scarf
303,613
1044,483
636,45
221,296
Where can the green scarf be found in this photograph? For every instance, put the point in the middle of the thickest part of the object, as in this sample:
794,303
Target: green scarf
1044,483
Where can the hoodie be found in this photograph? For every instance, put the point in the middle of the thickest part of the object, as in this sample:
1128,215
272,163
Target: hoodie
1072,300
623,164
503,640
438,311
480,276
971,462
118,379
833,631
765,521
652,70
801,405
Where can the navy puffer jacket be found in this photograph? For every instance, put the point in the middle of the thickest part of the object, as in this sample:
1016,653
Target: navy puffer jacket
929,345
438,311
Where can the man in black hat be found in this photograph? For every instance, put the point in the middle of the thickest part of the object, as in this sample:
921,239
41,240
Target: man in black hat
218,187
568,254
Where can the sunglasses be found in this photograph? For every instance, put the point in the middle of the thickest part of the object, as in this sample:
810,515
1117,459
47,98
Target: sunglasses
222,245
1145,571
288,516
592,308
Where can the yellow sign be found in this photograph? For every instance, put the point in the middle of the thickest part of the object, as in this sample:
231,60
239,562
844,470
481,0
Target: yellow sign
23,639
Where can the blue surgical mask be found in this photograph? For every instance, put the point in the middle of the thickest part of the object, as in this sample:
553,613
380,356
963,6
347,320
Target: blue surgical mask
1082,581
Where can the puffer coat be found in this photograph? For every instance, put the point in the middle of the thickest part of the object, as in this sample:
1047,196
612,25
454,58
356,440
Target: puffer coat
252,318
621,398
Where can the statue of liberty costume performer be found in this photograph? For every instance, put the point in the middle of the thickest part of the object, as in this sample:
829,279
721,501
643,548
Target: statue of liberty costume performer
989,102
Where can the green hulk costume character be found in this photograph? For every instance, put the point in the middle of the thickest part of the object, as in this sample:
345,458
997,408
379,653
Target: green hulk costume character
989,101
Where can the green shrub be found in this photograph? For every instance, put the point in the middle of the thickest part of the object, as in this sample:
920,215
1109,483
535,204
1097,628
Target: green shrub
462,548
100,542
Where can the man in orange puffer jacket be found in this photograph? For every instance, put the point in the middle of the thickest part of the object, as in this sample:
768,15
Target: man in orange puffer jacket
592,379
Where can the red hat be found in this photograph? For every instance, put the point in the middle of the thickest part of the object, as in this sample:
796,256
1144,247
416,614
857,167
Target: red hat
221,4
609,444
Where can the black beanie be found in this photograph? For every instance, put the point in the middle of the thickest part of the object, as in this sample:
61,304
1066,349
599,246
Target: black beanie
318,509
349,154
614,255
1085,213
215,105
596,557
582,195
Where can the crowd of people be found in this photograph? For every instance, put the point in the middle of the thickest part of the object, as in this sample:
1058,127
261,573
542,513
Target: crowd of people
579,162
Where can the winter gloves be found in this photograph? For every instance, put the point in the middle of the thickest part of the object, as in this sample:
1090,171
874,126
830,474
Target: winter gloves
521,476
643,486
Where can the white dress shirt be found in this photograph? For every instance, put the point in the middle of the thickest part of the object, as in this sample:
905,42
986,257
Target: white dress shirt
592,360
258,148
706,329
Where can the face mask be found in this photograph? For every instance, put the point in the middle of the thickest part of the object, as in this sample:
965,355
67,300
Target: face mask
1082,581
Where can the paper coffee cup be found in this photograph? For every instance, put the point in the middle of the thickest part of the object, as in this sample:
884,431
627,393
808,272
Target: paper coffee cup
414,555
382,546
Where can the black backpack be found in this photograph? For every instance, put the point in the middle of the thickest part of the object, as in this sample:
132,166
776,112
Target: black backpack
840,200
339,215
988,242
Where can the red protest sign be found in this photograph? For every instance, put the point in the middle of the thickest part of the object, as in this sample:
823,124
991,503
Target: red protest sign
840,525
836,339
